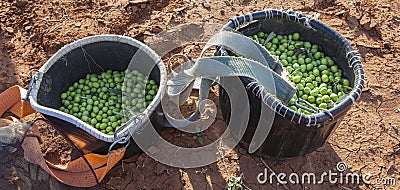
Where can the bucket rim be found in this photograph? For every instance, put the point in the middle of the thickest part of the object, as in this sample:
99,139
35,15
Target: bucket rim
353,59
76,121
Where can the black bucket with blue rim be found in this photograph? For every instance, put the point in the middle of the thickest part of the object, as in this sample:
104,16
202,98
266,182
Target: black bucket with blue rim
96,54
294,134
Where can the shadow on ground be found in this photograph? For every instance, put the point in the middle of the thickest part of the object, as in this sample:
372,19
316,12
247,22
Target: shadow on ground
8,77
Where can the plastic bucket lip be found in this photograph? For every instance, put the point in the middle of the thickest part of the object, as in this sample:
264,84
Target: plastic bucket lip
351,56
78,44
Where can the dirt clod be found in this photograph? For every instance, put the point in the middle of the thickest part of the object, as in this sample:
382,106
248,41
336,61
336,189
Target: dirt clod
10,30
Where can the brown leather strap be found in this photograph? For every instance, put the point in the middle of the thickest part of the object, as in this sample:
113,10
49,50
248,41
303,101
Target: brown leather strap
11,100
76,173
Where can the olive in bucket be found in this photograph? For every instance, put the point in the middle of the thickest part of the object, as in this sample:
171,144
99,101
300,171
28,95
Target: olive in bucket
326,71
97,88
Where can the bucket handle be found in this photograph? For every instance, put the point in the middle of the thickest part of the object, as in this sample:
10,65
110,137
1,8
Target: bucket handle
260,63
132,126
312,108
33,74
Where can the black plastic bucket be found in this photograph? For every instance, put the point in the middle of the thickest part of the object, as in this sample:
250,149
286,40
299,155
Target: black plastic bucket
294,134
93,54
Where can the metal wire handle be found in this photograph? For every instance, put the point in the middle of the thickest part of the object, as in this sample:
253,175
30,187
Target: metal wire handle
33,74
136,121
313,108
300,100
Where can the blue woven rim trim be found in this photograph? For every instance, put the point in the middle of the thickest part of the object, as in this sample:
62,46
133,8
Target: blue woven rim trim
351,55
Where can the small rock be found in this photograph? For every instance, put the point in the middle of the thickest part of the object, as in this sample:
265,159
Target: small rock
386,45
143,6
103,21
206,5
397,110
341,13
21,3
234,156
397,20
396,129
179,9
10,30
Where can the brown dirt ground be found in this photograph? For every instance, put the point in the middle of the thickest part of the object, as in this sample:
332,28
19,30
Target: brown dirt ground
367,139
